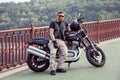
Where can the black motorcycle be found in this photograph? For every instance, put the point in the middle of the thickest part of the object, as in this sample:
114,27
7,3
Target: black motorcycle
39,53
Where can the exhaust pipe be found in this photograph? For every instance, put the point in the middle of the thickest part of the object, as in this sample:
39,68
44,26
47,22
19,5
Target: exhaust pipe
37,52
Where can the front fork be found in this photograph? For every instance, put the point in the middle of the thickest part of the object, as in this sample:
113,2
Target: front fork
96,54
90,45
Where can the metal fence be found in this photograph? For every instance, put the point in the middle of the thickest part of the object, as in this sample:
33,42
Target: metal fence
13,48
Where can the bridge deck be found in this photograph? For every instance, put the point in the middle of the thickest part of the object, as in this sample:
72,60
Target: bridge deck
81,70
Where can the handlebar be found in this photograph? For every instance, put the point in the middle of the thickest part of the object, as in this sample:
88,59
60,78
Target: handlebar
80,20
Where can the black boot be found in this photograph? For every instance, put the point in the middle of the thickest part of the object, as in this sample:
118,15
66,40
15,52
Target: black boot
52,72
61,70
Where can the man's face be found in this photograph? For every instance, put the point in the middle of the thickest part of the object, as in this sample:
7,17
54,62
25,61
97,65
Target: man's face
60,17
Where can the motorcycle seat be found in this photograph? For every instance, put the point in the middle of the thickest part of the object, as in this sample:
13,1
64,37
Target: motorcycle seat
39,41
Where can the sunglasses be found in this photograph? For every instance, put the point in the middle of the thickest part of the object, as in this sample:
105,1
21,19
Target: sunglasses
60,16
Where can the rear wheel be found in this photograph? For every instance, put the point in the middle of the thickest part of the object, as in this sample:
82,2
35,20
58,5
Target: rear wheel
36,63
96,58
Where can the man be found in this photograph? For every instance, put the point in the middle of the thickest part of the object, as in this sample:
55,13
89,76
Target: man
57,36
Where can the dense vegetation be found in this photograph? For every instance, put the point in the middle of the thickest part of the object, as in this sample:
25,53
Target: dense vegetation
42,12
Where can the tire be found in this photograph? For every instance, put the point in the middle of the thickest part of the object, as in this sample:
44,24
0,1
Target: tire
92,60
35,65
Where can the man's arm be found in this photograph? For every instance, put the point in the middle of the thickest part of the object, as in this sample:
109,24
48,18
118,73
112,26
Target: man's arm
68,28
53,38
52,34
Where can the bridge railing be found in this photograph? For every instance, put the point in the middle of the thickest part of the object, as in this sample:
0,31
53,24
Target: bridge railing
13,48
103,30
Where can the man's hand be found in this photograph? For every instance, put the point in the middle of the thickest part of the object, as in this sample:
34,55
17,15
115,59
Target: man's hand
55,44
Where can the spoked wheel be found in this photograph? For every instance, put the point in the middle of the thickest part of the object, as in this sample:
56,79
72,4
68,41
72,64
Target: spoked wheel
37,64
96,58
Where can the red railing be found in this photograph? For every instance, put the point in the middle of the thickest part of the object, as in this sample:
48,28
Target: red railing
103,30
13,48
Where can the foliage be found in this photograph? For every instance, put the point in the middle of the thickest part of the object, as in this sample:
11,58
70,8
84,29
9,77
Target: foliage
42,12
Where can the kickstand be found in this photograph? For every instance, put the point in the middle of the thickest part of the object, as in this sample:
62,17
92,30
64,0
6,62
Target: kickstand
69,64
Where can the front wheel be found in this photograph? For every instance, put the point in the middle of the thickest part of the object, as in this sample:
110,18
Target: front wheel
36,63
96,58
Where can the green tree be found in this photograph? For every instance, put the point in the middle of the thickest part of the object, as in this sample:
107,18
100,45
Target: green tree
104,15
42,12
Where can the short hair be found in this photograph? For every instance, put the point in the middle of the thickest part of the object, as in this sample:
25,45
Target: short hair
60,12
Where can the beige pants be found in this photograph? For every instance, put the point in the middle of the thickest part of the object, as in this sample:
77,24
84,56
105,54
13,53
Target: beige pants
64,52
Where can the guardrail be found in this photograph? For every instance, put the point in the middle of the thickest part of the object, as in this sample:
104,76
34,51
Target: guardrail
13,48
103,30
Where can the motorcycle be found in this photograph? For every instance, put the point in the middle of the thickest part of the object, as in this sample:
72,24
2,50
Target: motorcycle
39,53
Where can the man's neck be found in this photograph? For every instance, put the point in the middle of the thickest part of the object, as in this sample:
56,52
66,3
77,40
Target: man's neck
59,21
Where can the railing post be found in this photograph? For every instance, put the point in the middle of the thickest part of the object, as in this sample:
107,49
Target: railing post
98,27
1,66
32,30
